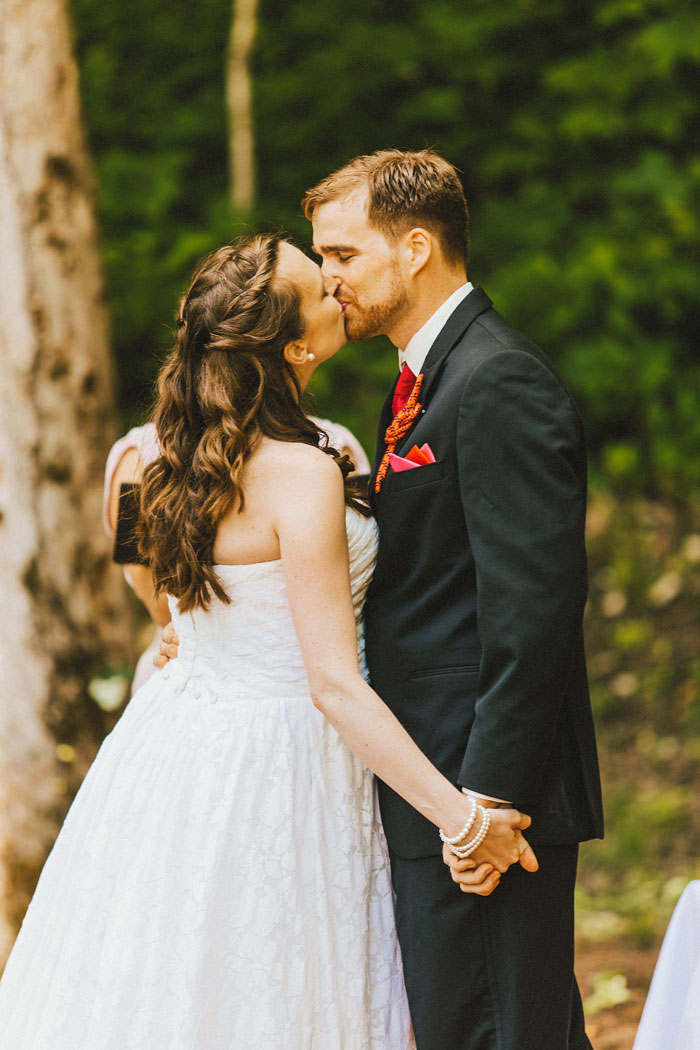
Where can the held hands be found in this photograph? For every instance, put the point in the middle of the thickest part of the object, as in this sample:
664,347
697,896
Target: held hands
168,646
502,846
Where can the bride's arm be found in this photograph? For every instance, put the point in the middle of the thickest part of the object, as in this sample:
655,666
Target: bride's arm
309,518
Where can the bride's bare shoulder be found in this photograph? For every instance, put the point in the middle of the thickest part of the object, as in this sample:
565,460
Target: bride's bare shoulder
291,462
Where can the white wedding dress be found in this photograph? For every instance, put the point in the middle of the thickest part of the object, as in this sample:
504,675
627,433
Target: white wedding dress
221,881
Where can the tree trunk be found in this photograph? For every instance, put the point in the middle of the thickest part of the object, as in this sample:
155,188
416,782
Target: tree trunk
63,605
239,98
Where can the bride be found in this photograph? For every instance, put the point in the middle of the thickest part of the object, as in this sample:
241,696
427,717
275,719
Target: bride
221,882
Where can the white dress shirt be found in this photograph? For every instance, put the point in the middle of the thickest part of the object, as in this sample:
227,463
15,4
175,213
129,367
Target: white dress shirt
419,344
414,356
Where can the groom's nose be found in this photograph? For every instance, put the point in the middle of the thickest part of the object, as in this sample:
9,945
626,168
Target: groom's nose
330,281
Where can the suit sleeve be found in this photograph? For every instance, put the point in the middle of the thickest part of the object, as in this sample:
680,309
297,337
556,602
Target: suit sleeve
523,490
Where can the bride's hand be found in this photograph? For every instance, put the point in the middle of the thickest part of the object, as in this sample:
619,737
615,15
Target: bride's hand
470,876
168,646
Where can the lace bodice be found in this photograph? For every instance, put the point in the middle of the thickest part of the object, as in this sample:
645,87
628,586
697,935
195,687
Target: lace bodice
249,648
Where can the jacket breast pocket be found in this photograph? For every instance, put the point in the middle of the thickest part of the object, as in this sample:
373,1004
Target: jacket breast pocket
396,482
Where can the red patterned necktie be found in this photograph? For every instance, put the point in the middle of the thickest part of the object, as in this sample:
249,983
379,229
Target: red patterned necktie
404,386
399,427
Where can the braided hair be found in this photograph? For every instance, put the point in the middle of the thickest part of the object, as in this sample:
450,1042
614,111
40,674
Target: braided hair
225,385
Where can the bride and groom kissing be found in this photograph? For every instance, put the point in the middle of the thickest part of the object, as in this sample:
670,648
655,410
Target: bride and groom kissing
222,880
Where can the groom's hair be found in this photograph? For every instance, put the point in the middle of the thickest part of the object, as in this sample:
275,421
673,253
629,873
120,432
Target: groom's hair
406,189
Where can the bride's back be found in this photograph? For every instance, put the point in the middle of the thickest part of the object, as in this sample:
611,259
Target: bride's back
248,536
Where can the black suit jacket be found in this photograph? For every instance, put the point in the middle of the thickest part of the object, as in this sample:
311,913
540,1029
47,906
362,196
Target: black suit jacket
474,615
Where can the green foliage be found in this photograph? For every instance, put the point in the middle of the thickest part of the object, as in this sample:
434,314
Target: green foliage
152,84
635,903
609,989
643,616
642,625
575,126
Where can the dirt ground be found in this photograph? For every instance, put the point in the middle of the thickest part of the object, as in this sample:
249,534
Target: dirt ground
615,1028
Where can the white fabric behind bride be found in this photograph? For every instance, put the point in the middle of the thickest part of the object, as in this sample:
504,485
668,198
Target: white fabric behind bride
221,882
671,1018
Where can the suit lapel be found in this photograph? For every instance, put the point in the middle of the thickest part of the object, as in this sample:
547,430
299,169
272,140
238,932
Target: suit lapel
476,303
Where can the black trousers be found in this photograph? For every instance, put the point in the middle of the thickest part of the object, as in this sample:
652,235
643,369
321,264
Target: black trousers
491,973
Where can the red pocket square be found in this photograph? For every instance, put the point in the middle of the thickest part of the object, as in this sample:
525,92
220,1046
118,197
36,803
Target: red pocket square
417,457
398,463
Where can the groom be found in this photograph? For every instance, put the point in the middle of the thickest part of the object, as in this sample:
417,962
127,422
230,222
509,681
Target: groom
474,616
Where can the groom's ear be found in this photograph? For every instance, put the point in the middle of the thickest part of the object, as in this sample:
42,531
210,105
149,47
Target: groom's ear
419,247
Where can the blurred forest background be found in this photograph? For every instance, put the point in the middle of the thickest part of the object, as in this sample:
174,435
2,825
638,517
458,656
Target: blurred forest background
576,127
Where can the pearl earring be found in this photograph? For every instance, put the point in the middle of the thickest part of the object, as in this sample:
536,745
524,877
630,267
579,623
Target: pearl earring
311,357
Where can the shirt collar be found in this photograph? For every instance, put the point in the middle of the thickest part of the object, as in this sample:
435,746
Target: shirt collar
420,343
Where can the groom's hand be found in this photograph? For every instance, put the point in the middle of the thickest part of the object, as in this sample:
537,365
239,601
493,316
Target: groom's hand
506,833
527,858
169,642
503,846
507,825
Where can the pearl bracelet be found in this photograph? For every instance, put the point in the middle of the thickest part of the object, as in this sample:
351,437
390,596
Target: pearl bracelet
465,830
469,847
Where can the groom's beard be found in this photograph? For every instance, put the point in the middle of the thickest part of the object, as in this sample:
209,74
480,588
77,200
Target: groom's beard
363,322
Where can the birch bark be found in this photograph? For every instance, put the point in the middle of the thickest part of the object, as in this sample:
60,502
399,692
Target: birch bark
62,606
239,98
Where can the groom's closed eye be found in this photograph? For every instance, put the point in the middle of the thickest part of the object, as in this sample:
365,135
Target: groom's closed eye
342,252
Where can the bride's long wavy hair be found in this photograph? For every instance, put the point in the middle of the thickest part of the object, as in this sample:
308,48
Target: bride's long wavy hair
225,385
